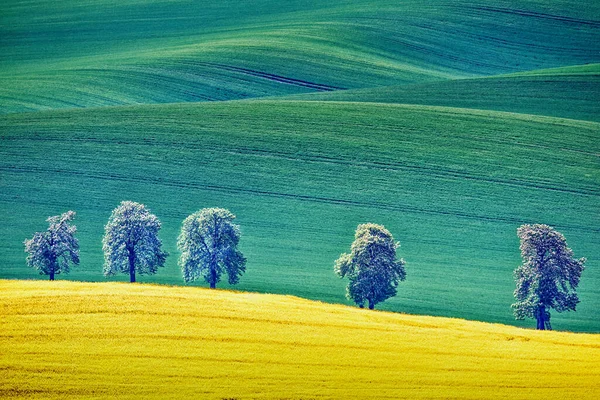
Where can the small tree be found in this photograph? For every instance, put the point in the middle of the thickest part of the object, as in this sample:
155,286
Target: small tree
371,266
131,242
548,277
52,251
208,244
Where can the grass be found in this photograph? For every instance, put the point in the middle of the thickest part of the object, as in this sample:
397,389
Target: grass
452,185
451,122
89,340
569,92
302,169
95,53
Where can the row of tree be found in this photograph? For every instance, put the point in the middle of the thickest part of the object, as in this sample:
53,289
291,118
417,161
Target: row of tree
208,242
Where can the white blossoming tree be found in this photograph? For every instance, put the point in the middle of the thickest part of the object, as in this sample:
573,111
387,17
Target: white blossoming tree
371,266
548,277
208,244
51,252
131,244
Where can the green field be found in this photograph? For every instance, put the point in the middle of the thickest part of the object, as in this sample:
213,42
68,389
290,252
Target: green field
461,121
570,92
125,341
95,53
452,186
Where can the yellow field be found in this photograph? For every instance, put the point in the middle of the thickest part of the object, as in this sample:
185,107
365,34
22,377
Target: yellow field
102,340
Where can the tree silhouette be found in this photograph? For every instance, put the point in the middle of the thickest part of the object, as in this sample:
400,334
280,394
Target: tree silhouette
51,252
548,277
208,244
131,242
371,266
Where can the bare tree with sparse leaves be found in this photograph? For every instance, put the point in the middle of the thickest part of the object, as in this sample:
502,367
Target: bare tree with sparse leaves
51,252
548,277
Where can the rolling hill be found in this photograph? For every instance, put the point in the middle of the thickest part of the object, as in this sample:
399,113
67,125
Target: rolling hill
96,53
450,122
84,340
451,184
567,92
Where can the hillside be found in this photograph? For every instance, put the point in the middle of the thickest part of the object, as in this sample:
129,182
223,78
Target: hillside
451,122
451,184
567,92
75,340
96,53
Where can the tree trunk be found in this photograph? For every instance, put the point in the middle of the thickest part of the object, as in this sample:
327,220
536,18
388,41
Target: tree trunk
541,312
131,266
547,321
53,263
371,304
540,323
213,278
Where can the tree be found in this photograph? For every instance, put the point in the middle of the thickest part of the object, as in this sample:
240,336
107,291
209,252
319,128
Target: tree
131,242
208,244
548,277
371,266
52,251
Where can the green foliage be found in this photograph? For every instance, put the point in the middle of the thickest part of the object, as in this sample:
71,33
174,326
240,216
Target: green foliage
371,266
130,243
548,277
208,243
52,251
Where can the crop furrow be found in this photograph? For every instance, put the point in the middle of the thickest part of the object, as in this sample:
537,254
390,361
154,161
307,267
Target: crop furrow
292,196
524,13
273,77
433,171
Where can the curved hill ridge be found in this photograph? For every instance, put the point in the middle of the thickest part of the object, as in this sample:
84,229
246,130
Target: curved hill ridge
93,53
568,92
79,340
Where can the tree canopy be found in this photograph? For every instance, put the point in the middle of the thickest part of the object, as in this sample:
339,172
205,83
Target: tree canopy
548,276
51,252
131,244
371,266
208,244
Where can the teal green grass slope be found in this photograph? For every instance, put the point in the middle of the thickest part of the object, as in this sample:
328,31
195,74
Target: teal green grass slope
95,53
452,185
568,92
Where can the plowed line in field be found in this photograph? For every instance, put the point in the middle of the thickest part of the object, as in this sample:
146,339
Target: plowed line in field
377,165
272,194
538,15
272,77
